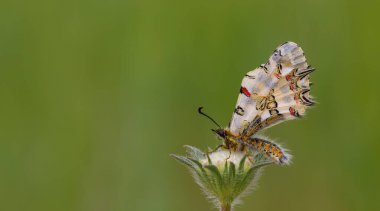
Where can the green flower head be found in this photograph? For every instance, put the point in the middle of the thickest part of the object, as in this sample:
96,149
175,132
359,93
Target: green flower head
224,176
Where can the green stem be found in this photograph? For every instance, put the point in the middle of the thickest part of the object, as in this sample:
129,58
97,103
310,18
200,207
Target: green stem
226,207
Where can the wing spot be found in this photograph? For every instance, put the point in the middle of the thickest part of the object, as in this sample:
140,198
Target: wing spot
250,76
293,112
239,111
245,91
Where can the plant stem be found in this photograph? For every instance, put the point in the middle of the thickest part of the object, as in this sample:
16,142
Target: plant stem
225,207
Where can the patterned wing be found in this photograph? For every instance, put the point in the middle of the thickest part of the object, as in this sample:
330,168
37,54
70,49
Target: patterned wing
276,91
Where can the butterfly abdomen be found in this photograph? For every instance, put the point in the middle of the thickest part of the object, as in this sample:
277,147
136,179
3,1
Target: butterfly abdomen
269,149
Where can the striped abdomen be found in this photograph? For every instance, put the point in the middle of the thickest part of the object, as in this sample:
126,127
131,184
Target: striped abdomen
271,150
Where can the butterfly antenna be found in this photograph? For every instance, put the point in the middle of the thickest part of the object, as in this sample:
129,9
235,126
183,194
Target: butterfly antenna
200,112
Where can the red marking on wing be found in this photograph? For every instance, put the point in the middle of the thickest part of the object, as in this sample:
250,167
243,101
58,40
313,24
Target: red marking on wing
292,87
245,91
278,75
292,111
288,77
296,98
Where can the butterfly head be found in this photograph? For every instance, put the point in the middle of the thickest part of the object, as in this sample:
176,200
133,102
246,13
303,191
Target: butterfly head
220,133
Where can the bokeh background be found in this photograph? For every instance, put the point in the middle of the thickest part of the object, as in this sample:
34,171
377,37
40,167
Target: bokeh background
95,95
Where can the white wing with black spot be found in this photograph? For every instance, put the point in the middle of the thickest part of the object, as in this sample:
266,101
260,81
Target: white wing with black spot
276,91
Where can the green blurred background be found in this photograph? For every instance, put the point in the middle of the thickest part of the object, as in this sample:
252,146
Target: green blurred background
95,95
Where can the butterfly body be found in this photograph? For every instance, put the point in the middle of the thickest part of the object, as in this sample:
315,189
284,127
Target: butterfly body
272,93
265,147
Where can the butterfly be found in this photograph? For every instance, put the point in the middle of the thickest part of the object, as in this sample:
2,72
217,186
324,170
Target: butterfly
272,93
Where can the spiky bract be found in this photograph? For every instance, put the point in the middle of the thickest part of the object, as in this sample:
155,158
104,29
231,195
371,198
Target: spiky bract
224,175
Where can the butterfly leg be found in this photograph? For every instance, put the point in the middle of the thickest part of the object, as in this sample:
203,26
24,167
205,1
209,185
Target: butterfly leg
259,157
229,154
223,147
248,153
217,148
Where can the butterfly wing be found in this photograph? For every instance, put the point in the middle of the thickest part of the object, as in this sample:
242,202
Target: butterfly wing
276,91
